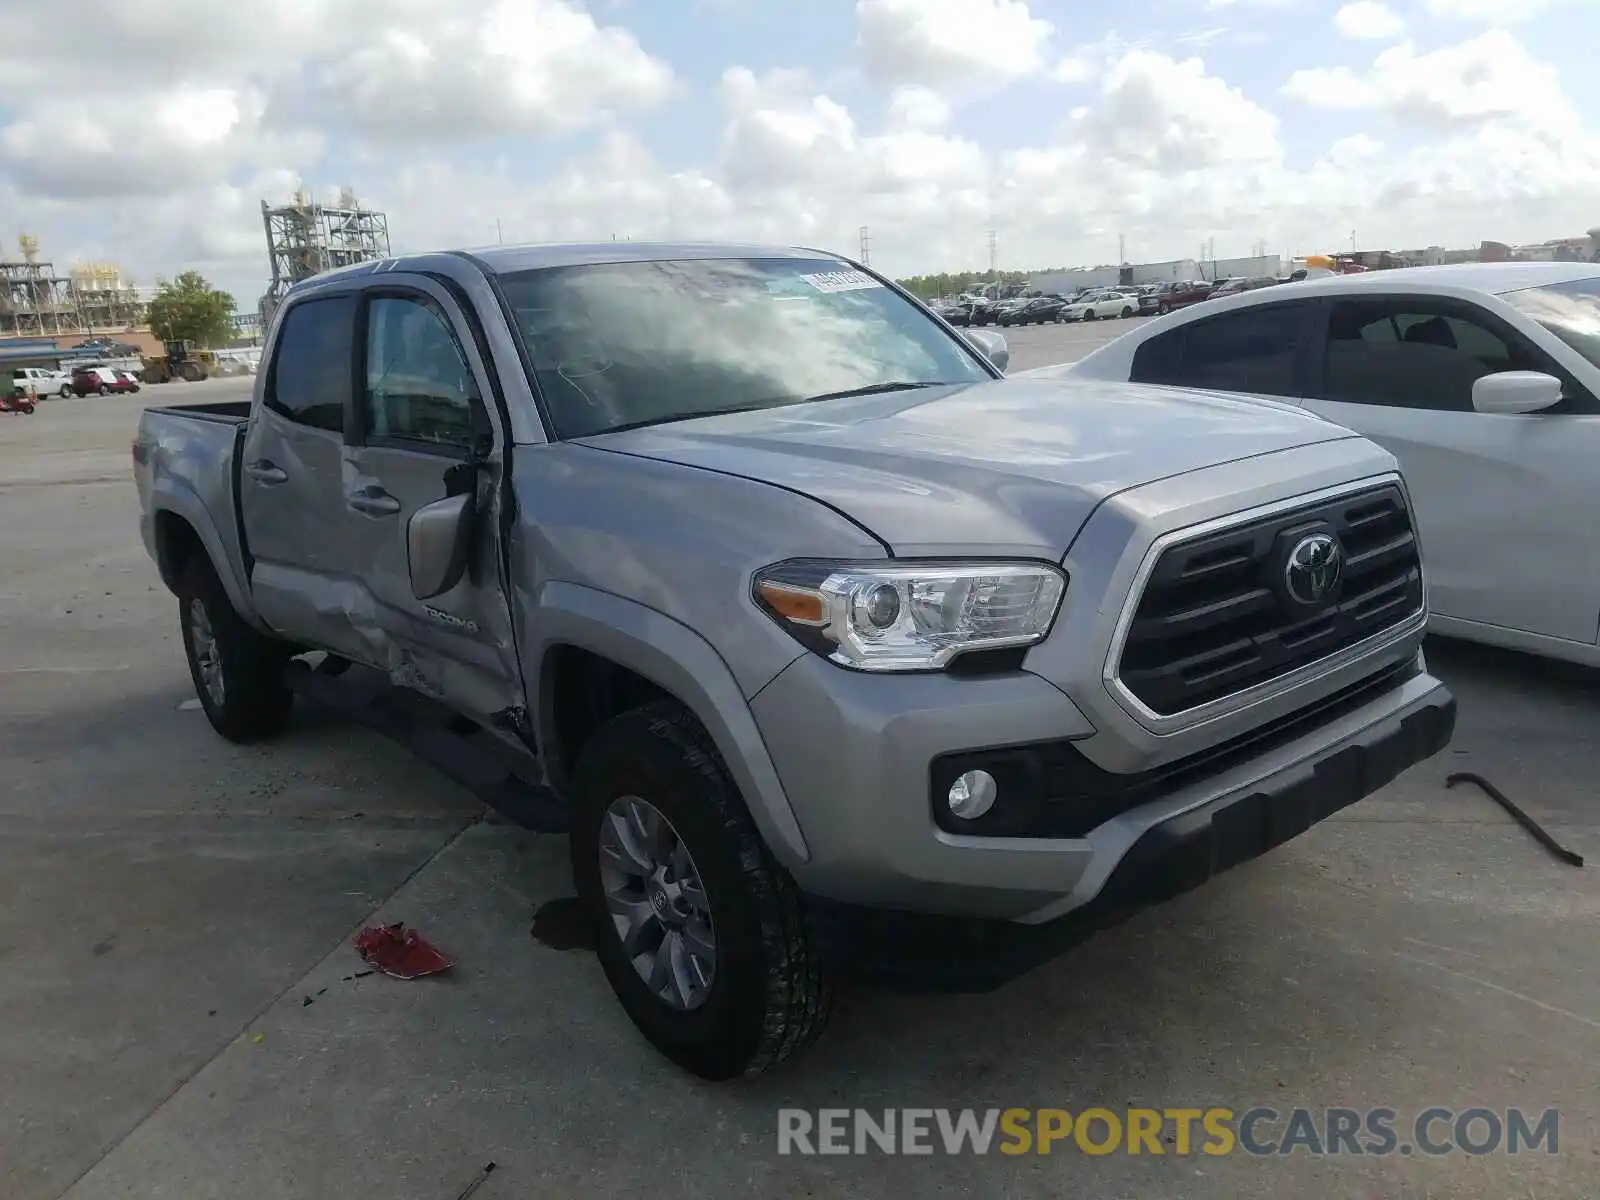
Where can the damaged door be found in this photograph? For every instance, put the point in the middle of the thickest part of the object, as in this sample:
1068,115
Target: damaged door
423,435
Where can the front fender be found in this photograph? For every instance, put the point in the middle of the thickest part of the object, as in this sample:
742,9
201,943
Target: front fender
682,663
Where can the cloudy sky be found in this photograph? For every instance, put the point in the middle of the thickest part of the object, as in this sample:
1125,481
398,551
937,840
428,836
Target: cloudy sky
1060,124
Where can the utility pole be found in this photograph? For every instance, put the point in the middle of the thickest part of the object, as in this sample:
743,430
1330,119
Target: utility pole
866,247
994,254
1122,248
499,237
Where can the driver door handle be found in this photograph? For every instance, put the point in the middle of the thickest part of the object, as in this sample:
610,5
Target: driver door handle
375,502
266,472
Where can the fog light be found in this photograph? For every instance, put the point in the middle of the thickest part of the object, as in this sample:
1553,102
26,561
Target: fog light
973,794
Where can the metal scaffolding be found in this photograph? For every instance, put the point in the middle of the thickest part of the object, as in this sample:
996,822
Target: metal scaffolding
305,239
36,300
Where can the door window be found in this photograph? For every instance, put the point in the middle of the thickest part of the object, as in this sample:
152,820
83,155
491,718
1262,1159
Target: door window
1253,350
419,387
1413,354
310,378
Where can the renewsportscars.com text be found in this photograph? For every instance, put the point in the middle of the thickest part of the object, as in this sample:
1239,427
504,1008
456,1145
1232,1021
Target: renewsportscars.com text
1260,1131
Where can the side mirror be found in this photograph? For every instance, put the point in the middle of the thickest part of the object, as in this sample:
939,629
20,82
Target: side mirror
992,346
439,543
1513,392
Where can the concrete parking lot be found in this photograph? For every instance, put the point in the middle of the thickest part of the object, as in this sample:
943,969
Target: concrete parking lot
181,1015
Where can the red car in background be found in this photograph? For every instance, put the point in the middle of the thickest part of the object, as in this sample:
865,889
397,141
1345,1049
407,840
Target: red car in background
102,381
1174,296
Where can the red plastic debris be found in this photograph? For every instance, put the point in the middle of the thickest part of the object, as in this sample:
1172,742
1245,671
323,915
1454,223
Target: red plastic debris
399,952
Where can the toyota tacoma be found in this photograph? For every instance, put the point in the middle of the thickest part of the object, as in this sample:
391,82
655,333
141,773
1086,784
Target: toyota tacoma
838,655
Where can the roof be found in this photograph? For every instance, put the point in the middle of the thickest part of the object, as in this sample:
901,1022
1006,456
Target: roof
504,259
1494,278
28,355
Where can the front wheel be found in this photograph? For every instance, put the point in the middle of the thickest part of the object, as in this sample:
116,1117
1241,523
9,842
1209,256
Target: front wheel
1089,314
702,936
1126,313
103,390
237,671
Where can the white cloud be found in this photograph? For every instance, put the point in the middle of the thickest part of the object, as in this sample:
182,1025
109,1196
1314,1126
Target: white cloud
532,67
1173,116
918,108
77,145
943,41
1489,78
1368,20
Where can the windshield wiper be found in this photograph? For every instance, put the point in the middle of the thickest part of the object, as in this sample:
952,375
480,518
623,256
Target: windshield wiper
687,415
872,389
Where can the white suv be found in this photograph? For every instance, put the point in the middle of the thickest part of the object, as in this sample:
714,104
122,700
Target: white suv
39,382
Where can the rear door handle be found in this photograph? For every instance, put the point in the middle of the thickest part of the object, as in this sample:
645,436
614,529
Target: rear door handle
375,502
266,472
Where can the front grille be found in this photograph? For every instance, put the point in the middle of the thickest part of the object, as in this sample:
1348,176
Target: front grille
1216,616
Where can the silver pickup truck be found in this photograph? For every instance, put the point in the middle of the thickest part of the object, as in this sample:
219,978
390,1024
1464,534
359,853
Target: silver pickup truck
839,655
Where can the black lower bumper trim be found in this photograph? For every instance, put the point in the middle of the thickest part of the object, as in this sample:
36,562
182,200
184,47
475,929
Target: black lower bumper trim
931,953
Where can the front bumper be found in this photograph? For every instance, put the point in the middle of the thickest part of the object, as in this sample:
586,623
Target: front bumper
1167,856
866,809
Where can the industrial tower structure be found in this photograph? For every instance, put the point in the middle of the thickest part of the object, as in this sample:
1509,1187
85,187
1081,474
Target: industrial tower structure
305,239
36,300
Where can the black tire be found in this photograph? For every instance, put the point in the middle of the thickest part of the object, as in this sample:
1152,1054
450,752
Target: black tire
254,702
66,391
1089,315
1126,313
769,995
103,390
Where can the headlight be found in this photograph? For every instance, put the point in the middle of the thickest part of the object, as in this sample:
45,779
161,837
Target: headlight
910,616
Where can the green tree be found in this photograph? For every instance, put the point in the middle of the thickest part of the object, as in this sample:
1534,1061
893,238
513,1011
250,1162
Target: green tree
189,309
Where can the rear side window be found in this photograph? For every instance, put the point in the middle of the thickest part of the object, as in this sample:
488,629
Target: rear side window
1160,360
311,370
1254,350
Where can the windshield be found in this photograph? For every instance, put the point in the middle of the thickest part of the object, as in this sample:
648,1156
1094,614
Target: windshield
624,344
1570,310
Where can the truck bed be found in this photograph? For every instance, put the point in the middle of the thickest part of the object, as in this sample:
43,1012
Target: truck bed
226,412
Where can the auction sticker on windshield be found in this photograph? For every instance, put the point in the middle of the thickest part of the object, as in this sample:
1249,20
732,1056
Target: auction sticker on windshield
841,281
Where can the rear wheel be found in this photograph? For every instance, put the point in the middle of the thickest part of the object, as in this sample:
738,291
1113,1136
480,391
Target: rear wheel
702,936
237,671
103,390
66,391
1126,313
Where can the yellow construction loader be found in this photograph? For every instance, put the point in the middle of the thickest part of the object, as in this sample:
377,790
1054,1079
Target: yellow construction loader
181,361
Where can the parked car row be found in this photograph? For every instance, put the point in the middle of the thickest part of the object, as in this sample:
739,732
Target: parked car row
39,383
1087,304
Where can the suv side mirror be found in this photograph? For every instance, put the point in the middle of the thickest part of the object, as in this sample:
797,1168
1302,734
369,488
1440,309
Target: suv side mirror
992,346
1515,392
439,543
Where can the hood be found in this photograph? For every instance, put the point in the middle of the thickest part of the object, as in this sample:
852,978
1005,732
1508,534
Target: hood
1013,467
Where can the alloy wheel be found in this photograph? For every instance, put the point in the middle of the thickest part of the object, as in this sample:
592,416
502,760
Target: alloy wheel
207,655
657,903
